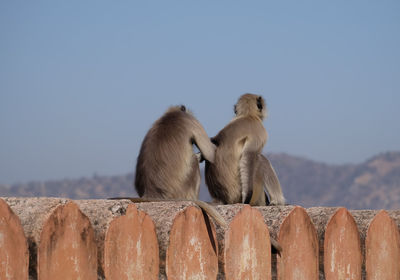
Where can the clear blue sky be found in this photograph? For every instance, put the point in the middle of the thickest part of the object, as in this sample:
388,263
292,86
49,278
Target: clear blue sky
82,81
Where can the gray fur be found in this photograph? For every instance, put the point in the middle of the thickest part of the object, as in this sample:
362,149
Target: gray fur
167,167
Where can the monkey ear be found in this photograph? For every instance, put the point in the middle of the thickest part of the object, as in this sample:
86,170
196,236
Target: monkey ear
183,108
234,109
259,103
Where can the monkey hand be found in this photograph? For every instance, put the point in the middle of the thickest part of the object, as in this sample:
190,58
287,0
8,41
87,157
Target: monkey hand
200,157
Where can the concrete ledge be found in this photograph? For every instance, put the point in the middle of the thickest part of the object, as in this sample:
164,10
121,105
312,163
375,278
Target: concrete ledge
55,238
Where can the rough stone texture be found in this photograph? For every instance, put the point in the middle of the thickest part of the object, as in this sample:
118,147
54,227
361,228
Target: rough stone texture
130,247
228,212
342,248
298,238
163,215
192,250
395,215
247,246
101,213
320,217
383,249
363,218
14,257
67,246
273,217
33,212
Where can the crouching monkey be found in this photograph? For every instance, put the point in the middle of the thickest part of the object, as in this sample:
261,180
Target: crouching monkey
167,167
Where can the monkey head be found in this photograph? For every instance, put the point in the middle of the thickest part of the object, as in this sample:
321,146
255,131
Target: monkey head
251,105
179,108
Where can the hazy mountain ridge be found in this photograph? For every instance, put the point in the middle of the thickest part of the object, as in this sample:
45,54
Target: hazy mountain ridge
94,187
374,184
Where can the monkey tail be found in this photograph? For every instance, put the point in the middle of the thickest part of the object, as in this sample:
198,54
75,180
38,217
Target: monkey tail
211,211
276,247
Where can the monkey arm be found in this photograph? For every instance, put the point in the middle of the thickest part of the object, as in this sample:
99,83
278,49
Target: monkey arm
203,143
200,157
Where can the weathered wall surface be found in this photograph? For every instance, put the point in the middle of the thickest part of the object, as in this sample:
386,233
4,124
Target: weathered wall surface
53,238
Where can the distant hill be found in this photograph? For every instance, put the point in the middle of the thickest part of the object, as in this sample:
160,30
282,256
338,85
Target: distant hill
374,184
83,188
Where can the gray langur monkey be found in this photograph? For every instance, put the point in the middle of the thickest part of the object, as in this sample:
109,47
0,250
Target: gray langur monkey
240,173
167,167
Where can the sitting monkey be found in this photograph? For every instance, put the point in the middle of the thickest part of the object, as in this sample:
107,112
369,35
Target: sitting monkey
240,172
167,167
